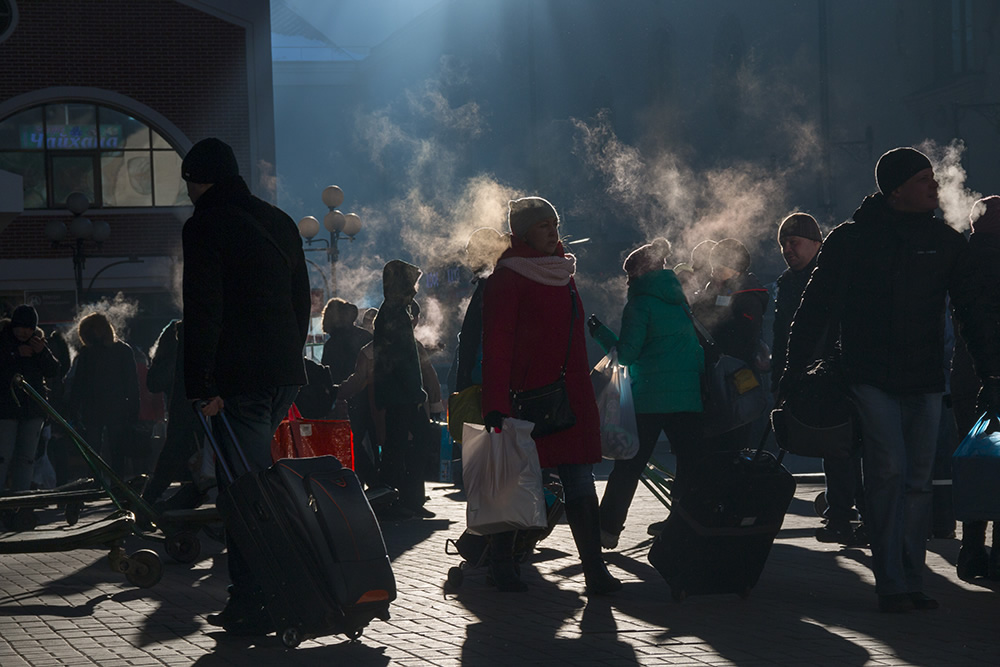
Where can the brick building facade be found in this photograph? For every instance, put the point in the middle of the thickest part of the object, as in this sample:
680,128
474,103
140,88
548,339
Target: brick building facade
186,69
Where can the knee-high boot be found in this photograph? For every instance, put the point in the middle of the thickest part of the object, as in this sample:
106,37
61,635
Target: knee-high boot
503,570
584,522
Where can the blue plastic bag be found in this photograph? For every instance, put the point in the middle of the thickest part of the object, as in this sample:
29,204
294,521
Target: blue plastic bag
976,474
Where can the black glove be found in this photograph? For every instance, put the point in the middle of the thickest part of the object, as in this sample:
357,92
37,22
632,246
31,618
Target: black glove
989,397
593,324
494,420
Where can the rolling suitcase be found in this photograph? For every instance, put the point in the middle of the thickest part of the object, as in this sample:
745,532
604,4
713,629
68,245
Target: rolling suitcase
309,535
719,533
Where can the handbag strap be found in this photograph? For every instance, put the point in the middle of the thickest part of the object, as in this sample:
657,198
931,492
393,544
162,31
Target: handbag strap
572,320
702,331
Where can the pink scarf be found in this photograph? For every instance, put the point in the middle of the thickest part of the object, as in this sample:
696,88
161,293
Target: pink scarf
553,270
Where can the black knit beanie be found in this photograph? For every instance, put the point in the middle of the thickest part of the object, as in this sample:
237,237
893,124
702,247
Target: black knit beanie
209,161
897,167
24,316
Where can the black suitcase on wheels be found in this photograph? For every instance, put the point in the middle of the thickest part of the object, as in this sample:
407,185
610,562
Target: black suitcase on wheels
309,535
719,534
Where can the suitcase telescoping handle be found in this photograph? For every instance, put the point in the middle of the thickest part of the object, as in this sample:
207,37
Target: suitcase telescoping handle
220,456
763,441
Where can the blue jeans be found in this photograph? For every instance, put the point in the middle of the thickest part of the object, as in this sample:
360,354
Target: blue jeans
577,481
255,417
18,444
899,435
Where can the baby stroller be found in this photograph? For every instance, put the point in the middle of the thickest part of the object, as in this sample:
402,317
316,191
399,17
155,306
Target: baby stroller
474,548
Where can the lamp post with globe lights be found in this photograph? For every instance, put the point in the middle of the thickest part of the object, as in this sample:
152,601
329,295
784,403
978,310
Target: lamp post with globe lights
340,225
80,230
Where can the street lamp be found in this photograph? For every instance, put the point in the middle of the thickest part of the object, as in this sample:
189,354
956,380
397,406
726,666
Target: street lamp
80,230
340,225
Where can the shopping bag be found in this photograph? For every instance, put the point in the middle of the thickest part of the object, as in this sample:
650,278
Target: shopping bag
298,438
619,435
600,374
503,480
465,406
975,474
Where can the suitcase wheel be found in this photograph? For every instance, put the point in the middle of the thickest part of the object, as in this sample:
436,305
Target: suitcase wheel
820,503
455,577
291,637
183,547
143,568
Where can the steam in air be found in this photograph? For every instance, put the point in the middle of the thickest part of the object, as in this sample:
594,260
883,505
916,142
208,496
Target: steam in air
954,198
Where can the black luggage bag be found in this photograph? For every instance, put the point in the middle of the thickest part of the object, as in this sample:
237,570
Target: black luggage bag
309,535
719,533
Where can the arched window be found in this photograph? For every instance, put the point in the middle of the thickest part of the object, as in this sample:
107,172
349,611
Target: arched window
113,158
8,18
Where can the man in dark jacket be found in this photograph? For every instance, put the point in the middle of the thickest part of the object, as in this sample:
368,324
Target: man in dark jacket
22,352
731,306
246,317
883,279
799,238
398,388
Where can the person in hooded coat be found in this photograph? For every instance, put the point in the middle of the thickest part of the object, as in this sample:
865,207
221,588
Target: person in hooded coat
659,345
398,388
531,313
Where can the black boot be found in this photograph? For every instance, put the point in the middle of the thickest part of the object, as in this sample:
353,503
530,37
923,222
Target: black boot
584,521
973,559
503,570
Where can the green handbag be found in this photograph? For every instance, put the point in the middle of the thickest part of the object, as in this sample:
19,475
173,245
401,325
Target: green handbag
464,406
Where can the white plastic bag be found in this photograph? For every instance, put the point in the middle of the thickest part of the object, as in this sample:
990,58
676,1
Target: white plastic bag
619,435
503,480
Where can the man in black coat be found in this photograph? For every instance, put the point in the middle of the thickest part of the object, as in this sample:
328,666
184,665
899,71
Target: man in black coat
246,317
883,278
799,238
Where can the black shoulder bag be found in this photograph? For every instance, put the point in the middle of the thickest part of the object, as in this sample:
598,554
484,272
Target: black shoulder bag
548,406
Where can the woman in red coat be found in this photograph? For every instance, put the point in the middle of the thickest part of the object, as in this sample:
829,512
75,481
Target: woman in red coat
530,307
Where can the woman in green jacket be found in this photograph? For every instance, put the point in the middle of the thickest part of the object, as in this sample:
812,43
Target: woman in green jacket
659,345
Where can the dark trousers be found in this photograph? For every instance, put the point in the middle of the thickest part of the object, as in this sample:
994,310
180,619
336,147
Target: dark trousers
844,488
172,464
407,431
255,417
683,430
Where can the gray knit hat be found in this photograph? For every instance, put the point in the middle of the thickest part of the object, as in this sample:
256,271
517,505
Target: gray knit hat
524,213
800,224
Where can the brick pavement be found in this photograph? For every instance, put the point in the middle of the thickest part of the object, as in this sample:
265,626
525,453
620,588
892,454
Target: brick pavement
814,604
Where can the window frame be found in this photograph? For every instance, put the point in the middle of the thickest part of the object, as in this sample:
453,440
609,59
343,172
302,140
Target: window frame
155,136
